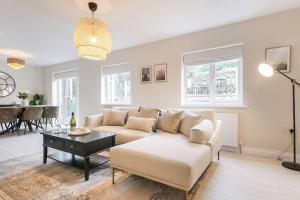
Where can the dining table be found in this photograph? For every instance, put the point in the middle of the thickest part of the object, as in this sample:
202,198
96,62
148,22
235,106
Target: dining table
20,110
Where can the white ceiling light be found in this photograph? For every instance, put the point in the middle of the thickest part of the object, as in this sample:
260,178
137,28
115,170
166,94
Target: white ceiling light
91,37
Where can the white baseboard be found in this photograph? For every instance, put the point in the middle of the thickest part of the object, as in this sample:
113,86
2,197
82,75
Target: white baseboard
266,153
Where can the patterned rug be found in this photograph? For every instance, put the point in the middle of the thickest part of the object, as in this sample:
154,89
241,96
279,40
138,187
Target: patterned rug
26,178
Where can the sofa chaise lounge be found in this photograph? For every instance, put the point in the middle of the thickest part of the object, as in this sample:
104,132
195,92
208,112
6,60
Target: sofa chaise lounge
164,157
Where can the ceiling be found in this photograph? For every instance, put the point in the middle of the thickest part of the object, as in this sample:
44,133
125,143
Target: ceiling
44,28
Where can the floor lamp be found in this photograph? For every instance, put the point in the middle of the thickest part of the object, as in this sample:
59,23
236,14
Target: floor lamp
268,71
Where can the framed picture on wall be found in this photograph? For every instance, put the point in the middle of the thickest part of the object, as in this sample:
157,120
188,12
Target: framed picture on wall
279,58
160,72
146,72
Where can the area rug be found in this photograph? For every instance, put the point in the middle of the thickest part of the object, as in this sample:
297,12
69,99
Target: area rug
26,178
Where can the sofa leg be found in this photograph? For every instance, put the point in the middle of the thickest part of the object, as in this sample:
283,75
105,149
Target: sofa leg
218,155
113,175
186,195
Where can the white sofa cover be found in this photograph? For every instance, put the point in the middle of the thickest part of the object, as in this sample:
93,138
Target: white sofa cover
164,157
167,158
124,135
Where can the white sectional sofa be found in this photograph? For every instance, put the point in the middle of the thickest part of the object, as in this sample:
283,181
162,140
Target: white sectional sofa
164,157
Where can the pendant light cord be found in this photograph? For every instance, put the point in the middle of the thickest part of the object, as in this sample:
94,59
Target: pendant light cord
93,24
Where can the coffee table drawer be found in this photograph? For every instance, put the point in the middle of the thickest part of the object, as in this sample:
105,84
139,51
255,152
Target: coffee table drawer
74,147
54,142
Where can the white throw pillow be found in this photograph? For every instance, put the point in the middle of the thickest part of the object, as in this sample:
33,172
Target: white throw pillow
114,118
188,121
202,132
140,123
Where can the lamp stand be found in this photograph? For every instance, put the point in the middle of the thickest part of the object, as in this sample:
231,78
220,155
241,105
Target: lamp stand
292,165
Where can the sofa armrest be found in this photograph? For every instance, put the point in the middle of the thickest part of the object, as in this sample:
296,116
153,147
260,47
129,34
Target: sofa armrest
93,121
215,140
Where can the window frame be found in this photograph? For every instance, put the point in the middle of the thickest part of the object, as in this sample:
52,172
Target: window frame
102,97
212,100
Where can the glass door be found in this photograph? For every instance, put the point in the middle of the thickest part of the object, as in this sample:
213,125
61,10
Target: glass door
65,94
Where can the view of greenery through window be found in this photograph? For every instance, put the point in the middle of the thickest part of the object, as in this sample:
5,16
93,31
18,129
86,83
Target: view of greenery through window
117,88
214,82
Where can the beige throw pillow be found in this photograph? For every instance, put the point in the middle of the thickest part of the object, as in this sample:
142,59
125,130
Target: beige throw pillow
150,113
170,121
202,132
140,123
114,118
188,121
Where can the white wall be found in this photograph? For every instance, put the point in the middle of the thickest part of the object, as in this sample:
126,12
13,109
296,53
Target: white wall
266,120
28,78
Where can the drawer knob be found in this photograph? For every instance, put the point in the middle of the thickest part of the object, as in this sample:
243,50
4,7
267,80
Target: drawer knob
51,141
72,146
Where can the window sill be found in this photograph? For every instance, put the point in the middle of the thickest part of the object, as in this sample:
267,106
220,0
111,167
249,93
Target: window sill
109,104
220,106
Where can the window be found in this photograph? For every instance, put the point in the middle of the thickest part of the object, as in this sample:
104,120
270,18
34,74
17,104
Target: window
116,84
213,77
66,93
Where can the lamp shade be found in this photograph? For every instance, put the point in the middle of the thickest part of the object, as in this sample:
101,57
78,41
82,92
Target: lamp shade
266,70
92,40
16,63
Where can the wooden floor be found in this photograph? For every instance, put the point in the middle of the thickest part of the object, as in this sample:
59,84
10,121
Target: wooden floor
234,177
16,146
242,177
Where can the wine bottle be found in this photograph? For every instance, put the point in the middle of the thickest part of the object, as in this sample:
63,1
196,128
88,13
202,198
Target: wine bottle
72,122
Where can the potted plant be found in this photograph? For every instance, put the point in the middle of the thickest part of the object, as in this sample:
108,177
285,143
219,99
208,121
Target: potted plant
24,95
37,99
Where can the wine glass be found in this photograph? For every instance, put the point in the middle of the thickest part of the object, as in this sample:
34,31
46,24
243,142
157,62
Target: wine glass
66,123
58,125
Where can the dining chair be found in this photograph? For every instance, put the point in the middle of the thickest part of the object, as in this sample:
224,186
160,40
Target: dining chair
8,119
31,116
50,113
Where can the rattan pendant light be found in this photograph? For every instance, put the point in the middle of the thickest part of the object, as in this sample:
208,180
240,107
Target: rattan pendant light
91,37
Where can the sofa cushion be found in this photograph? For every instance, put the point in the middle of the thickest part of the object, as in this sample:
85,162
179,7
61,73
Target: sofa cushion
188,121
202,132
123,135
114,118
127,109
169,121
150,113
132,111
171,159
140,123
204,113
93,121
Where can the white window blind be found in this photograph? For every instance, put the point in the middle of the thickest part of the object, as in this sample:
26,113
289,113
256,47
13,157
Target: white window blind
116,84
213,55
213,77
115,69
65,74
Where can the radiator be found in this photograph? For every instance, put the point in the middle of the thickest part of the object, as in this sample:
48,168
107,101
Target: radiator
230,129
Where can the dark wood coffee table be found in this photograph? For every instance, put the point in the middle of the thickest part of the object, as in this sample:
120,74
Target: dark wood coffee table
79,151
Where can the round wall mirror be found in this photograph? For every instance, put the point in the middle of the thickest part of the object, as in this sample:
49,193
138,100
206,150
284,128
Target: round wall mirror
7,84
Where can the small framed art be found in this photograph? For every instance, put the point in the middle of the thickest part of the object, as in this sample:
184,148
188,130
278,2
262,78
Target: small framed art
146,74
160,72
279,58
